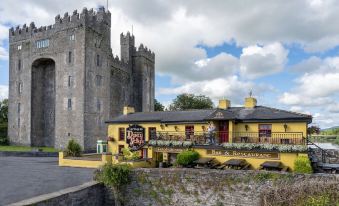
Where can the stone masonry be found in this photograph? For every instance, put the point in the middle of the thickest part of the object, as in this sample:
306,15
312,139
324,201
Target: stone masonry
64,81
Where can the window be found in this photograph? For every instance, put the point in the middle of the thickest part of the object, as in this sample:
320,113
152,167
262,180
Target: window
189,131
98,60
19,110
70,83
152,133
69,57
98,80
42,43
265,130
121,134
19,64
72,37
121,147
144,153
98,105
20,88
69,104
19,47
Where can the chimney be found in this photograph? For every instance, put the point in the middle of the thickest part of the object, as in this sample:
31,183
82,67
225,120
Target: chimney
224,104
250,102
128,110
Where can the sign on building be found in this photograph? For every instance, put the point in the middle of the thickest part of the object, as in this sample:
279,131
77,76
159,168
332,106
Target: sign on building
135,136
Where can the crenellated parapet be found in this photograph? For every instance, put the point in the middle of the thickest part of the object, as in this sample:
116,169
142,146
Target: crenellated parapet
120,64
94,19
145,52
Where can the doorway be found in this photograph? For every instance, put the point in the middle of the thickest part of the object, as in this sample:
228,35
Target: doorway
223,131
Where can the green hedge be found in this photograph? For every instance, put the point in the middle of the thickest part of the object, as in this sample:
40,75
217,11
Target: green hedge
302,165
3,134
187,157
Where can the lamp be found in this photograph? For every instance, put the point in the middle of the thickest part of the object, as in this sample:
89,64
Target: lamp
162,126
176,128
285,127
203,128
246,127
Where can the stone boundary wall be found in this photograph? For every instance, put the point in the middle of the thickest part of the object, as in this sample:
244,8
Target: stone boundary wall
27,154
90,193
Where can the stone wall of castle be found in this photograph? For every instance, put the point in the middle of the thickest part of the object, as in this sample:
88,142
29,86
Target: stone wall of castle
87,87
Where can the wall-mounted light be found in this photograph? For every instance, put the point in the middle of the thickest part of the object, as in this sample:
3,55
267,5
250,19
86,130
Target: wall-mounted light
176,128
285,127
203,128
246,127
162,126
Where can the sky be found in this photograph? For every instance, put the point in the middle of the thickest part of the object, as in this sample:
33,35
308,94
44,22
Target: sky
286,52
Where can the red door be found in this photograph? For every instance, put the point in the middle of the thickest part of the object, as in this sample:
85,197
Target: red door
223,131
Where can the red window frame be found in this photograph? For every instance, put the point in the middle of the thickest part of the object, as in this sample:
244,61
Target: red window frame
189,130
152,132
121,134
265,130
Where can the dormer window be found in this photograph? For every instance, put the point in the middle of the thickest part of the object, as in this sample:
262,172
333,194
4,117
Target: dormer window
42,43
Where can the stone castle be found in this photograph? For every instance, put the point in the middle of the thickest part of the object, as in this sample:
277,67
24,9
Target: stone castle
64,81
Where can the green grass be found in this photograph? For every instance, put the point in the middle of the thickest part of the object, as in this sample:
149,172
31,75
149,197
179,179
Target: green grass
25,148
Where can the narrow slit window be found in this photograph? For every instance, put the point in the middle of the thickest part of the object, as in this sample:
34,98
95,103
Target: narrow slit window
98,60
69,57
19,64
69,81
69,104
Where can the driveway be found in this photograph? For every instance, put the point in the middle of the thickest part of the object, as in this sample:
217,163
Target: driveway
26,177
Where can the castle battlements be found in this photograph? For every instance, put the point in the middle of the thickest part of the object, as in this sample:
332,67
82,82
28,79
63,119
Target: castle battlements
120,64
145,52
89,18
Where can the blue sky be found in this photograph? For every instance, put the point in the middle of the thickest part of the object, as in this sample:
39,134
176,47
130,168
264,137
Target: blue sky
286,52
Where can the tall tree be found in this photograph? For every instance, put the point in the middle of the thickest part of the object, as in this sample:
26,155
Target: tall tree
4,111
313,130
191,101
158,106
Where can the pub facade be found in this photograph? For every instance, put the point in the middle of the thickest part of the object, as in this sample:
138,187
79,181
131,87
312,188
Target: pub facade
254,135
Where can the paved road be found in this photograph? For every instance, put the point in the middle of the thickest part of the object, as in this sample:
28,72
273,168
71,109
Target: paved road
26,177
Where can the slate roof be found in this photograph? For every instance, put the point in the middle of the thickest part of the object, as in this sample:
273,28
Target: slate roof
240,114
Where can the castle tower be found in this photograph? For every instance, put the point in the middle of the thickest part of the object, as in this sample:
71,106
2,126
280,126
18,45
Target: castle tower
64,81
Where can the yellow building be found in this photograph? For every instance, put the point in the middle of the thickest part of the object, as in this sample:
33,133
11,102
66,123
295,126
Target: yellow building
256,135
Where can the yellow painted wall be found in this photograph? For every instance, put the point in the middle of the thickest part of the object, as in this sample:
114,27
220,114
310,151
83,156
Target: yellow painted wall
286,158
67,162
276,127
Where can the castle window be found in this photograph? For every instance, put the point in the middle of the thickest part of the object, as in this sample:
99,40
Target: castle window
19,64
42,43
19,110
98,80
69,57
20,88
72,37
19,47
98,60
98,105
69,104
69,81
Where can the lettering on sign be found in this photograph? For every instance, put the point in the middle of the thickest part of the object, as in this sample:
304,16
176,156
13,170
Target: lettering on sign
135,136
167,150
219,115
244,154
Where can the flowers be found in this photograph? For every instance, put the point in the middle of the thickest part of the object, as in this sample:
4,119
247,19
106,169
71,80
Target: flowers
170,143
268,147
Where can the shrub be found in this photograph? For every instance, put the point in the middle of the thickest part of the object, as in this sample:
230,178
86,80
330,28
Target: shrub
3,134
187,157
114,177
130,155
302,165
73,149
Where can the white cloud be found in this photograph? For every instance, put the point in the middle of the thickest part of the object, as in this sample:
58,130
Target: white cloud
259,61
3,92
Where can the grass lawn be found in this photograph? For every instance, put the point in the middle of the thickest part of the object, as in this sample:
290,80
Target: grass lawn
25,148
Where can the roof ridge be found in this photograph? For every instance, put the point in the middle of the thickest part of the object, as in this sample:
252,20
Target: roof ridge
298,113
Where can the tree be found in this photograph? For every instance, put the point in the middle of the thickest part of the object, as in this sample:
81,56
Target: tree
191,101
158,106
313,130
4,111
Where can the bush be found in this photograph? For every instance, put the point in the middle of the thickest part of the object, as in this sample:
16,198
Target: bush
130,155
302,165
73,149
3,134
187,157
114,177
